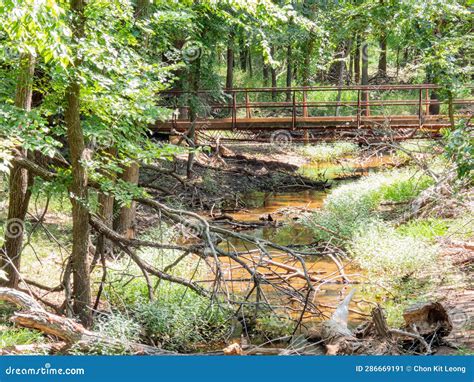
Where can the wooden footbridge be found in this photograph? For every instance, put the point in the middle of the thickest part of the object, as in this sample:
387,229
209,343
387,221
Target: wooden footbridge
312,113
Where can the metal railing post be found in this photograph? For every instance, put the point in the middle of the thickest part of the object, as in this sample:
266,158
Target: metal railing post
293,122
427,96
248,112
358,109
420,108
234,111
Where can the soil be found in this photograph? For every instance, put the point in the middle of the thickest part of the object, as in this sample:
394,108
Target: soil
218,180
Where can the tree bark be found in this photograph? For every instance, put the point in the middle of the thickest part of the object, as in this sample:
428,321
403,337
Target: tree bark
194,82
81,293
273,75
229,81
289,72
126,219
383,55
265,73
249,56
365,73
20,183
307,62
243,52
106,212
345,48
357,60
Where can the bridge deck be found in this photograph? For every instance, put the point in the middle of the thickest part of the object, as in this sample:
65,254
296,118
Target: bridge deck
301,123
356,108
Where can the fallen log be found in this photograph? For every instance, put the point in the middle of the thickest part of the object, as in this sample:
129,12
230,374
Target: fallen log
34,316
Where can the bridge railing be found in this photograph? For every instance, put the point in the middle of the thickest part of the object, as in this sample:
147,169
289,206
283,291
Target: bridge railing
302,103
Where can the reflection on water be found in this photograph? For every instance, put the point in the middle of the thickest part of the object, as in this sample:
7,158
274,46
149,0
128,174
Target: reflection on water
345,167
288,208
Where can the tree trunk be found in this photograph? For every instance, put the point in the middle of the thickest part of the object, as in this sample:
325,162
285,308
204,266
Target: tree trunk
273,75
357,61
106,213
383,55
365,64
307,62
81,293
289,72
19,184
350,74
243,51
126,219
194,82
249,56
229,81
342,71
365,74
265,73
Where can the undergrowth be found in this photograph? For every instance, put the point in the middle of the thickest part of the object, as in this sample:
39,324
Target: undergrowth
329,152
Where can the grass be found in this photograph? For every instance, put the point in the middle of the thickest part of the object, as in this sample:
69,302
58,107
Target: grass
178,318
12,336
329,152
352,207
19,336
425,229
398,262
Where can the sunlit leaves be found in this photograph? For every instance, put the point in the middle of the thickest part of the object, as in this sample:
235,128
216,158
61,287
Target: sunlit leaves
37,27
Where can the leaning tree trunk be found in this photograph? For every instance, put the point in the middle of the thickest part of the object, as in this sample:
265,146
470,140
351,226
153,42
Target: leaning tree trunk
81,293
19,185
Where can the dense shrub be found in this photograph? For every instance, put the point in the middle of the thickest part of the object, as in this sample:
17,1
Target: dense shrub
353,206
398,268
384,253
181,320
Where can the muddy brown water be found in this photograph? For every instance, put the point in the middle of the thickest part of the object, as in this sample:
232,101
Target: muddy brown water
288,208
